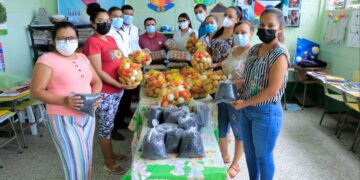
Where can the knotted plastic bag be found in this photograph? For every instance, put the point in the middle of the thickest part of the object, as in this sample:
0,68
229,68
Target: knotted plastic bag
188,121
191,144
166,127
172,114
155,113
89,102
153,146
226,92
203,112
172,140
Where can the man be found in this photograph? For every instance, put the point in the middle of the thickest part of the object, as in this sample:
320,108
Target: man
201,13
129,28
151,39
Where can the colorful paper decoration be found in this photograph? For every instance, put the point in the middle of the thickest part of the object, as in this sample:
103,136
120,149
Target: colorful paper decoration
2,60
336,28
354,30
260,6
306,50
206,2
161,5
3,19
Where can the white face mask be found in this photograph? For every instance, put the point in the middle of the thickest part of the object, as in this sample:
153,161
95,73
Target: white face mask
227,22
184,25
66,48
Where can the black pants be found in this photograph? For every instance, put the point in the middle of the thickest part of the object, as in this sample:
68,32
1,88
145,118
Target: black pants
123,110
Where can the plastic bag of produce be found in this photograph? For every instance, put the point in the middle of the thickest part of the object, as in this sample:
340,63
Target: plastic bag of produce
172,140
166,127
155,112
204,113
189,121
172,114
153,146
226,92
89,101
191,144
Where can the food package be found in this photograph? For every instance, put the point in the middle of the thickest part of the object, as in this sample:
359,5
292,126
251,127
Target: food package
158,57
141,57
211,83
153,146
175,95
130,73
155,112
166,127
177,65
193,44
173,109
201,60
178,56
155,82
226,92
203,112
188,71
191,145
172,140
188,121
197,89
89,102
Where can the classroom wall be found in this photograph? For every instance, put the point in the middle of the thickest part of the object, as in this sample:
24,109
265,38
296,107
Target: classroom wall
342,60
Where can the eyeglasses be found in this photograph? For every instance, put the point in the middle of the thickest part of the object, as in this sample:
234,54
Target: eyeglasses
64,39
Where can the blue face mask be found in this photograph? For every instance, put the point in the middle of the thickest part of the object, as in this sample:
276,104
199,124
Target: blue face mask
128,19
150,29
117,22
210,28
241,40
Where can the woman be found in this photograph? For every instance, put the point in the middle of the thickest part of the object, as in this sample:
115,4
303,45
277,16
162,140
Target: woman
222,41
185,31
234,66
211,25
264,84
56,76
105,57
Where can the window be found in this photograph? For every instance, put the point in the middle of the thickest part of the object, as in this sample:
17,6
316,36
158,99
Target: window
342,4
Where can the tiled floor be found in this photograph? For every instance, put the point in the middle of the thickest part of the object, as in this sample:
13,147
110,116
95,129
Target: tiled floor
305,150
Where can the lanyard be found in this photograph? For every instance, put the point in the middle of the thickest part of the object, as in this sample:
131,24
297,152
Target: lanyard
120,35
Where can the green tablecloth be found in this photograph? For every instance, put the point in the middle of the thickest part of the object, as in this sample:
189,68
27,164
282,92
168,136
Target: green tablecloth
209,167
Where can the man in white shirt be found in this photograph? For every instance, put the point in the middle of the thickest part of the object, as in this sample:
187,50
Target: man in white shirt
129,28
122,39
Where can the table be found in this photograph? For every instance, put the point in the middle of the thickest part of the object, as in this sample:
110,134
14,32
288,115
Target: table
209,167
14,100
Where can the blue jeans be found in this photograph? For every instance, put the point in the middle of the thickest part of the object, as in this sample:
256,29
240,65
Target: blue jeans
260,127
229,116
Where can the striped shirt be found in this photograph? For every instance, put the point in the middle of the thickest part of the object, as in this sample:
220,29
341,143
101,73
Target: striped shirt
256,74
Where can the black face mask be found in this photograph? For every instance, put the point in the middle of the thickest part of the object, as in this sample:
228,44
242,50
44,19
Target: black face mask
266,35
103,28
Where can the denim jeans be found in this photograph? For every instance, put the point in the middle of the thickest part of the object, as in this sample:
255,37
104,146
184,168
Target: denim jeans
260,127
229,116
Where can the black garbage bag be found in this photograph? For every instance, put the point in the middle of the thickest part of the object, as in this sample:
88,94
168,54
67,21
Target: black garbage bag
166,127
172,140
155,113
89,101
203,112
172,114
191,145
153,146
226,92
188,121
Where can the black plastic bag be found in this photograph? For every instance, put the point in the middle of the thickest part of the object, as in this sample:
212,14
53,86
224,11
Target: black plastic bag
89,101
153,146
189,121
226,92
172,114
172,140
191,145
155,113
166,127
203,112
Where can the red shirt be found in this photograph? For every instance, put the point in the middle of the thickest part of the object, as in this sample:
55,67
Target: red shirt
155,43
110,58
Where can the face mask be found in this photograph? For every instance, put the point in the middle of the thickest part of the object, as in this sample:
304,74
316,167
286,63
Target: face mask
66,48
200,17
227,22
184,25
210,28
266,35
241,39
103,28
128,19
117,22
150,29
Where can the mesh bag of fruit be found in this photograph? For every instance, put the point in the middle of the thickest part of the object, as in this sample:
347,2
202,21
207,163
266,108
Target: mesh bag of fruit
201,60
197,89
175,95
211,83
130,73
193,44
154,83
141,56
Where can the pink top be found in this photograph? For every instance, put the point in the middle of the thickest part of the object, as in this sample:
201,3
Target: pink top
155,43
111,58
67,76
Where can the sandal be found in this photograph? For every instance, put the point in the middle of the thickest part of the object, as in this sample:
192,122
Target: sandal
233,169
120,157
115,169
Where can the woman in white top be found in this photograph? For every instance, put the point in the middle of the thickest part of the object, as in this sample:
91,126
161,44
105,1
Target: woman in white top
234,65
211,25
122,39
185,31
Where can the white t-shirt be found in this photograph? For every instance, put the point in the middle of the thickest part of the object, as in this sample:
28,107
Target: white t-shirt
181,40
122,40
133,33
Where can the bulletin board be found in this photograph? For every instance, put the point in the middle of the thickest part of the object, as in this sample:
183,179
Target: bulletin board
254,8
